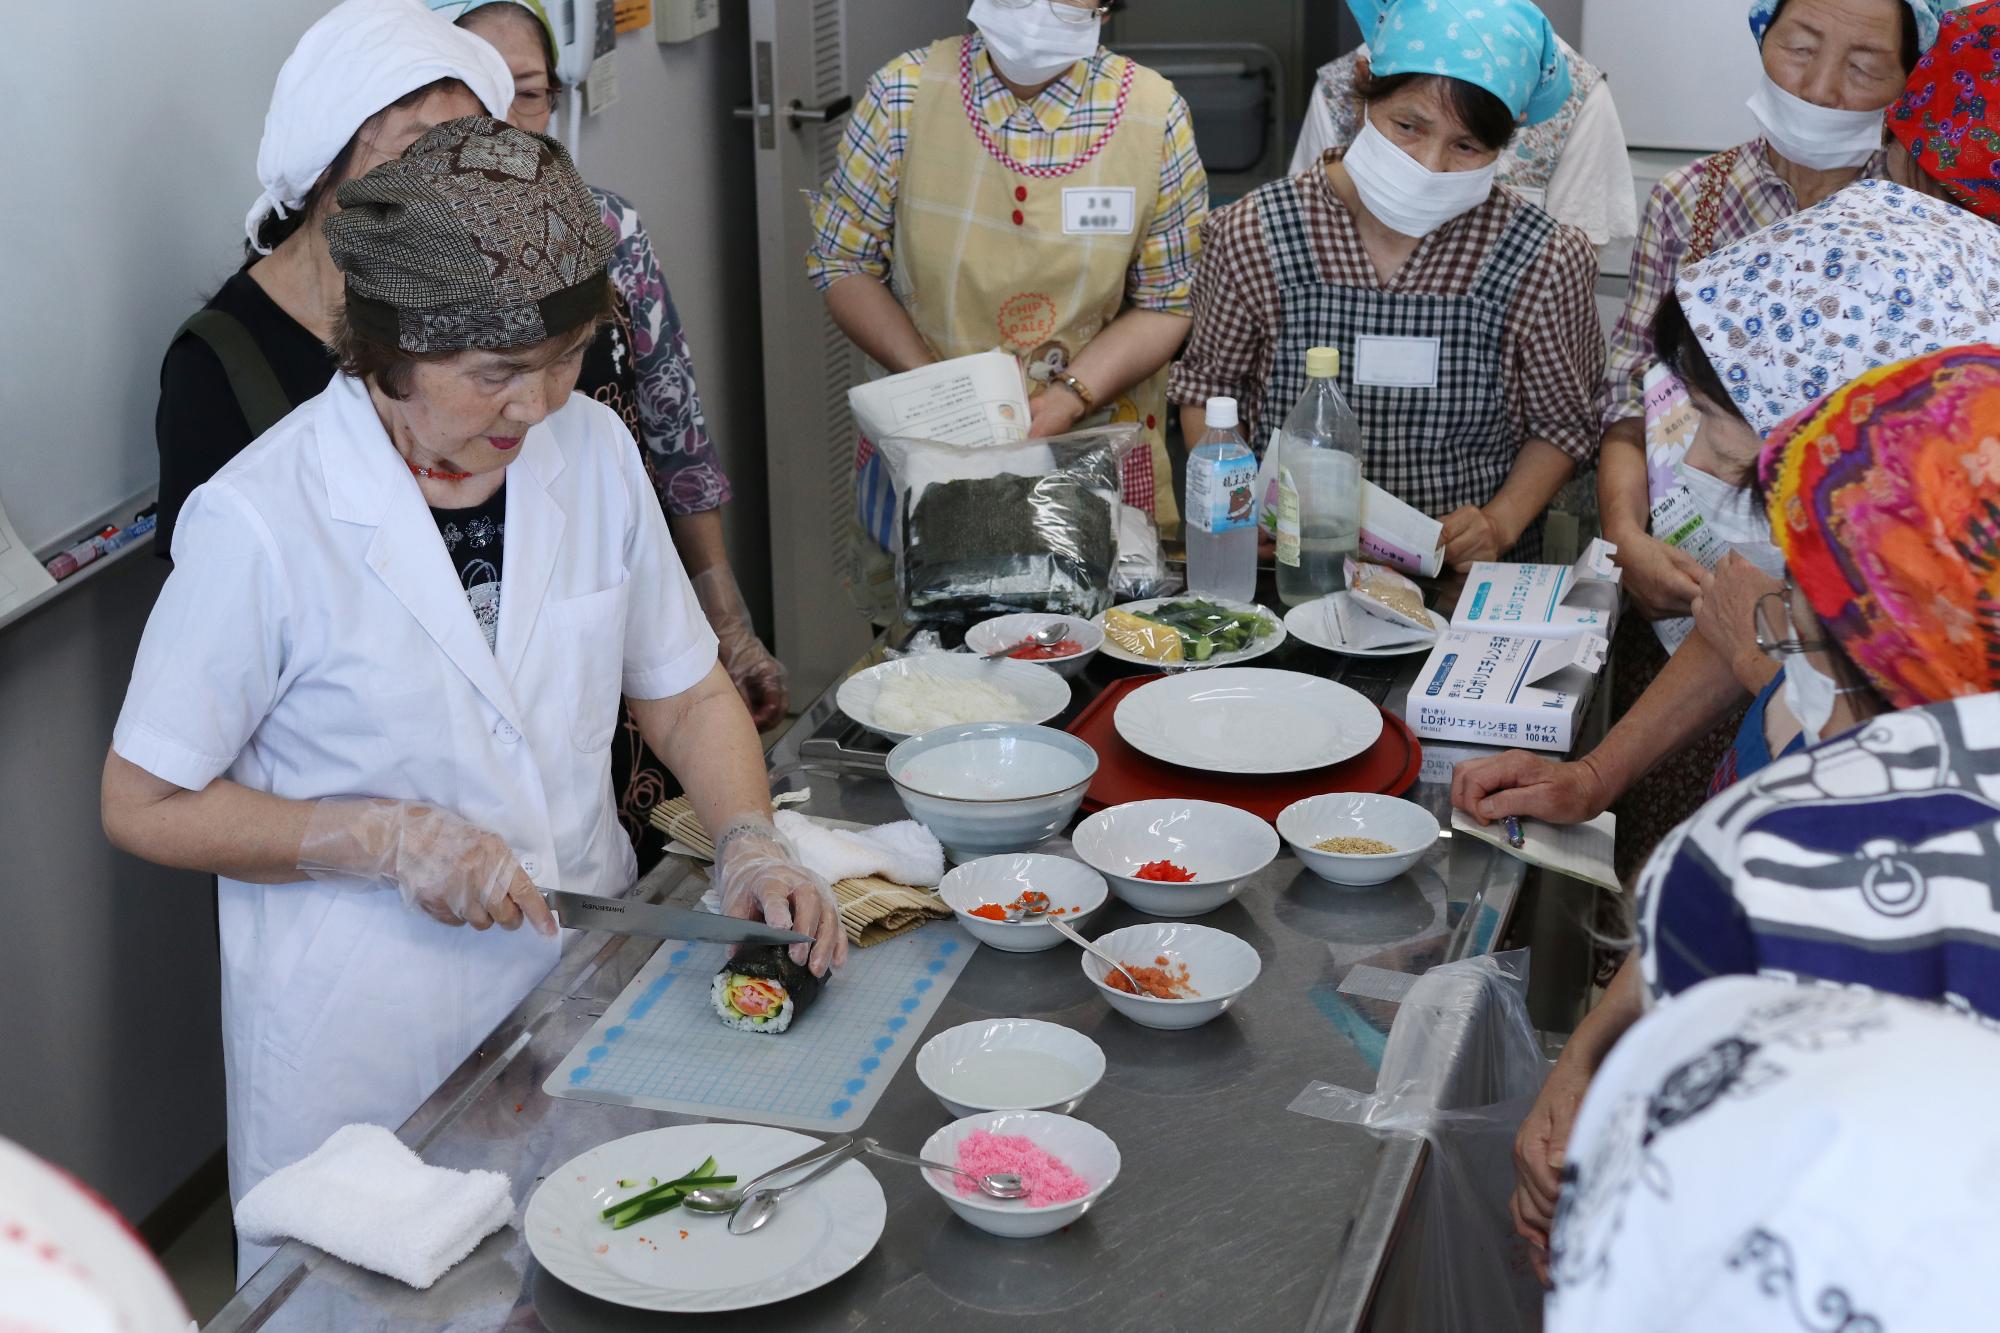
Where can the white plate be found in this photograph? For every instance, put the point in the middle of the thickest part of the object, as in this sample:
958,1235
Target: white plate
819,1233
1315,623
1257,649
1042,693
1248,720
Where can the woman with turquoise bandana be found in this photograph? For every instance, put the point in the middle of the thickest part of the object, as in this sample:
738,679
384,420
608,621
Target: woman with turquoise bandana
1465,316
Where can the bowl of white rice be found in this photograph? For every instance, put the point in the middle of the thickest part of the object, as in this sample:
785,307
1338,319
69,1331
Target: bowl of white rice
990,787
912,695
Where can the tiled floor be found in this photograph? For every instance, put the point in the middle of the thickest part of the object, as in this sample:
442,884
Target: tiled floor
202,1262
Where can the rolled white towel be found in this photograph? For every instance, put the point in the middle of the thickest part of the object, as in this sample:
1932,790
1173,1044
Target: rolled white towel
904,852
364,1197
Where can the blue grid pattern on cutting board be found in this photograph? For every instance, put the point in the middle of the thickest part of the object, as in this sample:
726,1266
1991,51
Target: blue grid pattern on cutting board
661,1046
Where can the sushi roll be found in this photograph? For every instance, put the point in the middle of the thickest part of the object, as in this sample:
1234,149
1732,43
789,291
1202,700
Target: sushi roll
762,990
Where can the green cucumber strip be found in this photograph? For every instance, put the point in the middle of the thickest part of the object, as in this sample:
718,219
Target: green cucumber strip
701,1175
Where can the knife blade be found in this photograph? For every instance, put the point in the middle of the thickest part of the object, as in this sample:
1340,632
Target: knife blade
584,911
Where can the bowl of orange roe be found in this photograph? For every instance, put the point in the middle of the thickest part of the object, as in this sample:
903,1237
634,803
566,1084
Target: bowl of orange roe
1188,974
1175,857
981,892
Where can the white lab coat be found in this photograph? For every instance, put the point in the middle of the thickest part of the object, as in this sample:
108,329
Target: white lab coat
314,640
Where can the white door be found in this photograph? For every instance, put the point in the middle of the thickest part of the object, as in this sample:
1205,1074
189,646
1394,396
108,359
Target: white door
808,59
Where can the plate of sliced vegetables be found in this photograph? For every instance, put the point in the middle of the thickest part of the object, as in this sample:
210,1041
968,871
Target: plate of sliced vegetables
1180,632
609,1222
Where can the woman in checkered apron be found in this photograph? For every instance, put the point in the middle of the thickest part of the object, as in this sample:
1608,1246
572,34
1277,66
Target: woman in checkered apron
1023,188
1464,316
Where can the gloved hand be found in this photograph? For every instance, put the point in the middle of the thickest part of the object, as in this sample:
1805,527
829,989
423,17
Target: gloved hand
758,676
450,870
758,876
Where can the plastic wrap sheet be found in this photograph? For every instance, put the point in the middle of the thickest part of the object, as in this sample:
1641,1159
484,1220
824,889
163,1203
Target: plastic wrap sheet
1460,1070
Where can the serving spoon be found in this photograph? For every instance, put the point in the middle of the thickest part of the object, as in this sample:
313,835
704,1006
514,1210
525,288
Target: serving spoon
995,1185
731,1199
1046,637
1040,912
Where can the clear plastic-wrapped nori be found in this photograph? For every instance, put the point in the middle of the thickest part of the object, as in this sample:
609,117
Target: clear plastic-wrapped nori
762,990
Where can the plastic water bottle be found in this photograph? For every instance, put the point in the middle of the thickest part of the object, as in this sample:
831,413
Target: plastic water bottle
1318,475
1221,510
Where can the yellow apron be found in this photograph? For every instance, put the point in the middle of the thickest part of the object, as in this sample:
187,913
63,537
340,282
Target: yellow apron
981,258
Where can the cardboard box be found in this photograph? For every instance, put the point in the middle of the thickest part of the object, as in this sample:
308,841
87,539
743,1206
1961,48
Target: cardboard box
1513,690
1548,600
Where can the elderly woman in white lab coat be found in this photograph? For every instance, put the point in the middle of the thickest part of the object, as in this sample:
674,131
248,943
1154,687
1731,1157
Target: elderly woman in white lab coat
377,694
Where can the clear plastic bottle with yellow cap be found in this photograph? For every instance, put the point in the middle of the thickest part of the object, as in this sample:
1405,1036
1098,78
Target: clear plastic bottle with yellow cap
1318,486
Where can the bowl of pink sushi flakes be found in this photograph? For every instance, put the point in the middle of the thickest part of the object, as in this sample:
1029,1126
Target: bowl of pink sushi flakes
1065,1163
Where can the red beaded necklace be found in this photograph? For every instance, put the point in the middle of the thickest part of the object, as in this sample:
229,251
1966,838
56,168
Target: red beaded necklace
436,474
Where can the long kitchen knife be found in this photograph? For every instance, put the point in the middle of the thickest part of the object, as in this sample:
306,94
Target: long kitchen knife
584,911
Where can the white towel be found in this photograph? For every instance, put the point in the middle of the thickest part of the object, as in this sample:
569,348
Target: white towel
364,1197
902,853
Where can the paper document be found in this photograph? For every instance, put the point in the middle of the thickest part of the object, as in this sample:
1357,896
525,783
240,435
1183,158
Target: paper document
973,400
1581,851
21,575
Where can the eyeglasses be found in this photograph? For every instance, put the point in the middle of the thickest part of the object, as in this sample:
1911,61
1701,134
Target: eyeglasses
1064,12
534,101
1777,628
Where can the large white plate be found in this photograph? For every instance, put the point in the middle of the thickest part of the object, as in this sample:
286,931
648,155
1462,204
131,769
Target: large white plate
1315,623
816,1235
1042,692
1257,649
1248,720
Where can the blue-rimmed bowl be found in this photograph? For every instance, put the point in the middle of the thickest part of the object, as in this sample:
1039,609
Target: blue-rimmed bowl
990,787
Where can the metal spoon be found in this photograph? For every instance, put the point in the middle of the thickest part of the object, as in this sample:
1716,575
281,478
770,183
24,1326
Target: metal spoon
729,1200
1046,637
1074,938
996,1185
756,1210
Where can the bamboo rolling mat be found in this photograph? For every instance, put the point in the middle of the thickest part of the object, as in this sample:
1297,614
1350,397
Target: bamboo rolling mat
872,909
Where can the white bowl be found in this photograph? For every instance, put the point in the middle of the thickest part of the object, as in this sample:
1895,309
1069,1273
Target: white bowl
1220,966
1009,1064
987,787
1084,1149
1001,879
1404,825
1041,694
1222,845
990,636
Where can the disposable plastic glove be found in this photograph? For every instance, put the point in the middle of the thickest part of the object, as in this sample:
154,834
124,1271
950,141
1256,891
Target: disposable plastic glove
758,877
450,870
758,676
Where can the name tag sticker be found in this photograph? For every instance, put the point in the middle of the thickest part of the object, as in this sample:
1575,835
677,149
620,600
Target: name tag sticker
1396,363
1109,210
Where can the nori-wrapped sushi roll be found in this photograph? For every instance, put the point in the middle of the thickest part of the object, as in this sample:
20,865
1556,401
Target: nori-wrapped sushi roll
762,990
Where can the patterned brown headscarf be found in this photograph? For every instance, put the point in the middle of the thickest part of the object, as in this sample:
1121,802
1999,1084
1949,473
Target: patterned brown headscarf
480,235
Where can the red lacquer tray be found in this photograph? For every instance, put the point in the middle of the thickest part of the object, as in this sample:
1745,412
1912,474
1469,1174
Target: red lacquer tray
1388,766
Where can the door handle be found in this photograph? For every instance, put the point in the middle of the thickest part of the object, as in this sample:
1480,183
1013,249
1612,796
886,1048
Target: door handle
824,115
799,112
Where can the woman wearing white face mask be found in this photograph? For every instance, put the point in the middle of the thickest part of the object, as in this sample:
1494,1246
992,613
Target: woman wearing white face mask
1471,350
1026,188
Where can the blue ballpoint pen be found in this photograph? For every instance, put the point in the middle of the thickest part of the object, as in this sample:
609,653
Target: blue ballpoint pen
1514,838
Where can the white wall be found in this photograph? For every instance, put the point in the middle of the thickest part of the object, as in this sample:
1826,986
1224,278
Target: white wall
130,160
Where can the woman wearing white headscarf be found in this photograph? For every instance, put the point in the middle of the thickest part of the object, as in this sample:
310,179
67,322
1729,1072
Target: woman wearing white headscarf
1759,1155
363,84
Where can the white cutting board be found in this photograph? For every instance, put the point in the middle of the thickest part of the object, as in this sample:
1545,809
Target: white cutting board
660,1045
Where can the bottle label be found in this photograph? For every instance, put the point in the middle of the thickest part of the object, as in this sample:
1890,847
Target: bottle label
1221,493
1288,519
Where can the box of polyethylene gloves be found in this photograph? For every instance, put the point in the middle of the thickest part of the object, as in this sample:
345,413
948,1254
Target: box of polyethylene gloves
1547,600
1505,689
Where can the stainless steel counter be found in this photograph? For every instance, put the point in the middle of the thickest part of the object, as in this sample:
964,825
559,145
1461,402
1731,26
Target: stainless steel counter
1231,1211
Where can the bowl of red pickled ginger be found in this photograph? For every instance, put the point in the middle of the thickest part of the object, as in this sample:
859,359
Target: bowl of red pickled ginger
1066,1164
1197,970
